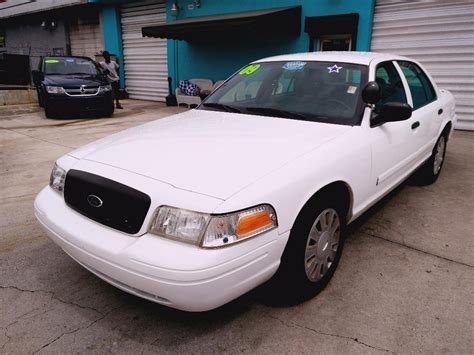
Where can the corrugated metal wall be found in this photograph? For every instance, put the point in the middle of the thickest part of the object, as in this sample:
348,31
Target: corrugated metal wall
146,67
439,34
86,39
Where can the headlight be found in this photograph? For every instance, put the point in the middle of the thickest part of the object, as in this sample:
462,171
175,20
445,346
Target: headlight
55,90
183,225
105,88
212,231
56,181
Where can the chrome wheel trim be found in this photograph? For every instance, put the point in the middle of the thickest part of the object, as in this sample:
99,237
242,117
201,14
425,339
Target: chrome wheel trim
439,155
322,244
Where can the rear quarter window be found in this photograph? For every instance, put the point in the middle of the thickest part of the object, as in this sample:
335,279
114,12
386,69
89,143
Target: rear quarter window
422,91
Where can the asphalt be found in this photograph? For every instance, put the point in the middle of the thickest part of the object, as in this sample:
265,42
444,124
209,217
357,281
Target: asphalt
405,282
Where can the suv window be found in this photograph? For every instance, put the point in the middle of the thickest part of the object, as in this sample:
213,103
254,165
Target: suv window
422,90
390,84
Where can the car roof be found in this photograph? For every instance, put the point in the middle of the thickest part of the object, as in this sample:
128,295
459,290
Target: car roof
363,58
67,56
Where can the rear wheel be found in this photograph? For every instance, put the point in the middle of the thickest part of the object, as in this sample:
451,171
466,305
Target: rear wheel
40,98
431,169
312,254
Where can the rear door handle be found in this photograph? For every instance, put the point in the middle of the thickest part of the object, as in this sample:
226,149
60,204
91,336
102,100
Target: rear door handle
415,125
440,111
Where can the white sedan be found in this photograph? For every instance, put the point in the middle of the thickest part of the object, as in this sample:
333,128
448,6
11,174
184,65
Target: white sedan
255,186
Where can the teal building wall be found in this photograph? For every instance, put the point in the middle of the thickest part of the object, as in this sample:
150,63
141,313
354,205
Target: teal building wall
219,60
112,35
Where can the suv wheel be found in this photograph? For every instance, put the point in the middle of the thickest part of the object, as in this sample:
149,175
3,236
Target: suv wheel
109,111
49,112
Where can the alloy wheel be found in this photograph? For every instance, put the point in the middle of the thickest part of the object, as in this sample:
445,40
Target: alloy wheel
439,155
322,244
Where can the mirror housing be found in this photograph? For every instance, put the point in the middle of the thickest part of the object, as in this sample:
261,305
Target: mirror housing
392,112
371,93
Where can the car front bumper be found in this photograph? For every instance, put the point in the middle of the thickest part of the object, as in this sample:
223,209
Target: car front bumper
171,273
79,103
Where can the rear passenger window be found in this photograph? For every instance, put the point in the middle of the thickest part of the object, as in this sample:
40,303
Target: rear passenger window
421,89
390,84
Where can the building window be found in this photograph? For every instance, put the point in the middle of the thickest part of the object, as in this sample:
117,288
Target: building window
332,33
334,43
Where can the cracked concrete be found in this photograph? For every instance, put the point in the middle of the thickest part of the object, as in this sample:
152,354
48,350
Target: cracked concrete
293,324
405,283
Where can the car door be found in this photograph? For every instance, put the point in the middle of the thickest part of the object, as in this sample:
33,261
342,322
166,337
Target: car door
393,143
426,113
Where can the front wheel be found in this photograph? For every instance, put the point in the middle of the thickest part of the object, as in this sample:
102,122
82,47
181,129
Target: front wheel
431,169
108,112
311,256
49,112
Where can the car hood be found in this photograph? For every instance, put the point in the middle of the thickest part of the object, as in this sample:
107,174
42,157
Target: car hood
209,152
73,80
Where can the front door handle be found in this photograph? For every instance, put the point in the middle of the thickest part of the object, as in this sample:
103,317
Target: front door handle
415,125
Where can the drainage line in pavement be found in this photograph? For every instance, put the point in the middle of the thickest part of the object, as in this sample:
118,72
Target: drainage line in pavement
419,250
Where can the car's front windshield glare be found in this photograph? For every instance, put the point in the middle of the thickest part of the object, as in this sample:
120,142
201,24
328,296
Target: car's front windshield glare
70,66
312,91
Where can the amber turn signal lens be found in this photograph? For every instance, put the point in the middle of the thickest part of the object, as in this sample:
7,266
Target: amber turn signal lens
253,222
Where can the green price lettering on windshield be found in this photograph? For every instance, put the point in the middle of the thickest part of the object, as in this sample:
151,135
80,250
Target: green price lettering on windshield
249,69
51,61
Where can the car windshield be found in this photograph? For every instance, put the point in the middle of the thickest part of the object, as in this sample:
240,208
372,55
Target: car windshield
69,66
311,91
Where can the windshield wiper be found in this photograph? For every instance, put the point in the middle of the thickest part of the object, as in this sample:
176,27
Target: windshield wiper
222,107
275,112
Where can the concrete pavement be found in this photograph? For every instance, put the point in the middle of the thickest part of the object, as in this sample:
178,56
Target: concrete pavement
405,282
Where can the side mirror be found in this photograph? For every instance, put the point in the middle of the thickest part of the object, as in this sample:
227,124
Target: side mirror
371,93
392,112
37,76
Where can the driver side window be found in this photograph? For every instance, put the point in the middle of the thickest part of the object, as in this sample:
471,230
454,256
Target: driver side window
390,83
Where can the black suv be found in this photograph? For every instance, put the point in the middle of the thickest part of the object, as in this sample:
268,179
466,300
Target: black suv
72,84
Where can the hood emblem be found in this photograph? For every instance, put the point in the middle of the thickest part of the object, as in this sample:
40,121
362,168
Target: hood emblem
83,89
94,201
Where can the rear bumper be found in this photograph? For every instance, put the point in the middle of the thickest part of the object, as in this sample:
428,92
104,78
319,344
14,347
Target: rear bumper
66,103
171,273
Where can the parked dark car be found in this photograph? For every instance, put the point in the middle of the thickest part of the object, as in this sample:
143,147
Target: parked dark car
72,84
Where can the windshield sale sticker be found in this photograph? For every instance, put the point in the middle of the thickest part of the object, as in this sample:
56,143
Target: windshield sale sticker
249,69
294,65
51,61
351,89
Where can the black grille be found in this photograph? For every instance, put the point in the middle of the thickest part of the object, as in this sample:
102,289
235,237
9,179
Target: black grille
80,91
106,201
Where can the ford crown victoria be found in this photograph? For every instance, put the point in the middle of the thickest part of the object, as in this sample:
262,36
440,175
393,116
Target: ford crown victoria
254,187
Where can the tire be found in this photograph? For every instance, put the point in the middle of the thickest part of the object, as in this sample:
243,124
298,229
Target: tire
108,112
429,172
40,98
305,269
49,112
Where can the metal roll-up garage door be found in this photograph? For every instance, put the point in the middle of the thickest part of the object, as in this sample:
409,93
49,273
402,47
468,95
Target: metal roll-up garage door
85,37
146,66
439,34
